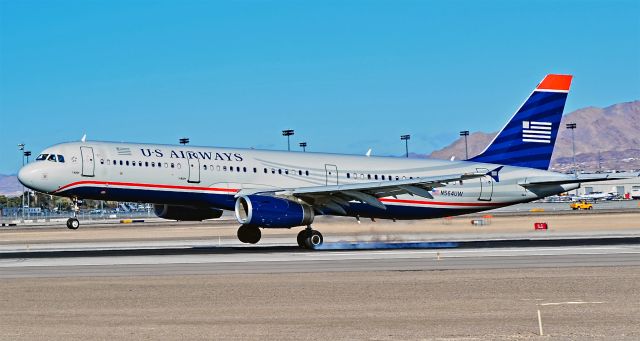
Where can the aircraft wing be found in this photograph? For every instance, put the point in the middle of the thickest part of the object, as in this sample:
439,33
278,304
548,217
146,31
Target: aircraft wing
335,197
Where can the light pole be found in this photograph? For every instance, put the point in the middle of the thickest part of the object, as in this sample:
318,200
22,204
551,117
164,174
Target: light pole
288,133
465,133
573,126
304,146
406,139
27,154
21,148
184,141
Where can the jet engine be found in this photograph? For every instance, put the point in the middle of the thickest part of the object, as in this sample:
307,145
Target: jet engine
267,211
186,213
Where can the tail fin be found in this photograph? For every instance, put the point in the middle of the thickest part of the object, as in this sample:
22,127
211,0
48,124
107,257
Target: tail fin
528,139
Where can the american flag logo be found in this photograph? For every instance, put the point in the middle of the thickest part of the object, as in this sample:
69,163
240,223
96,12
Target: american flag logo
539,132
123,151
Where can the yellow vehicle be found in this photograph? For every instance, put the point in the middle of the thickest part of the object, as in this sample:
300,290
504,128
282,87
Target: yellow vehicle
581,205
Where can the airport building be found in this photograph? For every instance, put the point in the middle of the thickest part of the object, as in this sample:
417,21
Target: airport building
626,188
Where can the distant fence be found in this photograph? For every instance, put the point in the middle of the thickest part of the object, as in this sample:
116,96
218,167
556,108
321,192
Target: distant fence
46,216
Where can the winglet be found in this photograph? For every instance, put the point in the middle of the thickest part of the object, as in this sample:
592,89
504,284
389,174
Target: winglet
555,83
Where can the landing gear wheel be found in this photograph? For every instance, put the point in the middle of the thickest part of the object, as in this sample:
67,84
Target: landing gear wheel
313,240
249,234
73,223
301,237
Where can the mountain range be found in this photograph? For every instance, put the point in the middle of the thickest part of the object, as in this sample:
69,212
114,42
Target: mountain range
605,138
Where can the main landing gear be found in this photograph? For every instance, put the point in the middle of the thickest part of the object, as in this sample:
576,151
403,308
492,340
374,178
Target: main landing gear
73,223
307,239
249,234
310,238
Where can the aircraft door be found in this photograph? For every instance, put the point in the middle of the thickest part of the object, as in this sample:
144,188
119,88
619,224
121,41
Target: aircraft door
194,170
486,185
88,162
331,172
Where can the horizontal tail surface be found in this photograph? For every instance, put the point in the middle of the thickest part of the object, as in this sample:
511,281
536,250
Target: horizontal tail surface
528,139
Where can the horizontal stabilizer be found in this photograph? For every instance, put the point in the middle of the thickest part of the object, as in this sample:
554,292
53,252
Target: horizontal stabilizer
539,181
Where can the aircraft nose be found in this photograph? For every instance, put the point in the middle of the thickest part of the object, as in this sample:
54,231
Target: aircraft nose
27,175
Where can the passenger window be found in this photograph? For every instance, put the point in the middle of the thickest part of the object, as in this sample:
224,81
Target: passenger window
244,169
60,158
159,164
376,176
273,171
102,161
146,163
397,177
255,170
369,176
361,176
153,164
265,171
383,177
300,172
127,163
166,165
224,168
286,171
218,168
121,162
306,173
42,157
231,169
139,163
52,158
279,171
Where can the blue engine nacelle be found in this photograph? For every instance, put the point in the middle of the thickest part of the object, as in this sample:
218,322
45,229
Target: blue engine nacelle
267,211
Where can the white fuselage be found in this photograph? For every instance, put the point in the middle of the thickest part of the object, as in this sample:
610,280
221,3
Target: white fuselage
211,177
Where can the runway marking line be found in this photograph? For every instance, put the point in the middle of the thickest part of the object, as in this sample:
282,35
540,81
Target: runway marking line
567,303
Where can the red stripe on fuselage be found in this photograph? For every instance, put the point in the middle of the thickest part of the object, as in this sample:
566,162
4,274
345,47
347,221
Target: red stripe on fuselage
423,202
133,184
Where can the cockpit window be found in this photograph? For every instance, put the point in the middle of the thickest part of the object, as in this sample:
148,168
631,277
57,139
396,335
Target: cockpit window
42,157
60,158
52,158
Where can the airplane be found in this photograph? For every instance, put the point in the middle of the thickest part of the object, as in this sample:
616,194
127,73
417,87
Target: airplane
280,189
595,196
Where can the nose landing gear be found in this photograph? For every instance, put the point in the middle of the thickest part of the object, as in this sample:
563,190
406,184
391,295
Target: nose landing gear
309,238
73,223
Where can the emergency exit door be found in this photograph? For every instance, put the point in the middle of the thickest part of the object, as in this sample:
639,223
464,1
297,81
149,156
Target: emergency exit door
194,170
88,161
486,185
331,172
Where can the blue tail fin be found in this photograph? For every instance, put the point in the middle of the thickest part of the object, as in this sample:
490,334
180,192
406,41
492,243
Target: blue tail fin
528,139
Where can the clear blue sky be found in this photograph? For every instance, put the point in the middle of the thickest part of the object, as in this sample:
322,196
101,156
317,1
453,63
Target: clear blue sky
346,75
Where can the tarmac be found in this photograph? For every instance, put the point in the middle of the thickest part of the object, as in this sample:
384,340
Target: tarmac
437,279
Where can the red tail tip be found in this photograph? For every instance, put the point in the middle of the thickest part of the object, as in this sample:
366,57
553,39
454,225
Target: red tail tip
556,83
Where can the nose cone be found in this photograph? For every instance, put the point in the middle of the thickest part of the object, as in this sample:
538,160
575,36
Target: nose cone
28,176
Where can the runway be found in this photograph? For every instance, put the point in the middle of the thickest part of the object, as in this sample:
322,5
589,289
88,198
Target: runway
286,259
192,281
